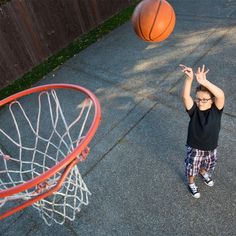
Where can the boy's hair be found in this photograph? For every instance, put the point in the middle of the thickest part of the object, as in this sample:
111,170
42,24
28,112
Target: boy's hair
204,89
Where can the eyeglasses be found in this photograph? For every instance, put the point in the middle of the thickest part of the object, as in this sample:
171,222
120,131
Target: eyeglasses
204,100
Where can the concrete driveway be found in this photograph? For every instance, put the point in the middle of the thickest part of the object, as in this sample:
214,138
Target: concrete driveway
135,168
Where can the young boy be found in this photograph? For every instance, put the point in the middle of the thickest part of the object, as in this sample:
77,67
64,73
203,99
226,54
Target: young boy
205,113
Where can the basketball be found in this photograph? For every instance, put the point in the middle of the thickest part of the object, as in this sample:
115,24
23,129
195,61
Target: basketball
153,20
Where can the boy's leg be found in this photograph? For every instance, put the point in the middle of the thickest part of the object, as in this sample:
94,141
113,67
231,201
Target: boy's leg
192,187
209,166
203,171
192,167
191,179
207,179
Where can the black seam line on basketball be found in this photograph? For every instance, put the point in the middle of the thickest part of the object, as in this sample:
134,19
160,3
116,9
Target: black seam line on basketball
166,27
139,25
158,9
119,140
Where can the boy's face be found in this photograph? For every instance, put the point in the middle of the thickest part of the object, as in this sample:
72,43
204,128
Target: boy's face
203,100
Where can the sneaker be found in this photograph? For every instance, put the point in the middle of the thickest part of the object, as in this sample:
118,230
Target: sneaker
207,180
194,190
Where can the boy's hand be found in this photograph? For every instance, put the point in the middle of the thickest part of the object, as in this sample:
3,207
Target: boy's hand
188,71
201,75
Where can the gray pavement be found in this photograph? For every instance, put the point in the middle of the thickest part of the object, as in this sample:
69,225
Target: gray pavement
135,168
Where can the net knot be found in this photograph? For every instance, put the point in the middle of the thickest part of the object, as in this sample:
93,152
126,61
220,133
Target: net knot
6,157
84,154
42,186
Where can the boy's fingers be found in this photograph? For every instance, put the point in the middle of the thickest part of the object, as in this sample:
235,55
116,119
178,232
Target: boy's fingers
187,71
182,66
207,71
185,67
203,68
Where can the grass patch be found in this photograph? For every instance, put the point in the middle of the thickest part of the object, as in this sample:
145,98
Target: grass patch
36,74
3,2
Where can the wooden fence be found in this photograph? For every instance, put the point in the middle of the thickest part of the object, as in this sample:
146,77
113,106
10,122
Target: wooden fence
32,30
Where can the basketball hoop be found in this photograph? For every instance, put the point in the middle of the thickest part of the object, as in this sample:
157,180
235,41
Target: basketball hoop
44,141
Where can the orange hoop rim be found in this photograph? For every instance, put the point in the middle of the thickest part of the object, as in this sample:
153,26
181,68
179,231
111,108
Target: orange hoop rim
76,152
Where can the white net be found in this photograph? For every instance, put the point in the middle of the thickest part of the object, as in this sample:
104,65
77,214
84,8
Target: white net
37,137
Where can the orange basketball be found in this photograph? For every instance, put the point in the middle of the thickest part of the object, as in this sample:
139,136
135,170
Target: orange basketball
153,20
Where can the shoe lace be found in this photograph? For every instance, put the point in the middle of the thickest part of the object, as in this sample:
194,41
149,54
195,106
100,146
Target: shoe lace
194,188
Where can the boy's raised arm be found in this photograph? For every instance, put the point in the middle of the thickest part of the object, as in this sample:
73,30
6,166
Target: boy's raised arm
216,91
186,92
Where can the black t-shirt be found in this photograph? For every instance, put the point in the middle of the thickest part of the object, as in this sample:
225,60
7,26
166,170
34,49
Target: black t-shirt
204,128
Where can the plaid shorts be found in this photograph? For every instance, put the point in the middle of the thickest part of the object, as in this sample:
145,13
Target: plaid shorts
197,159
